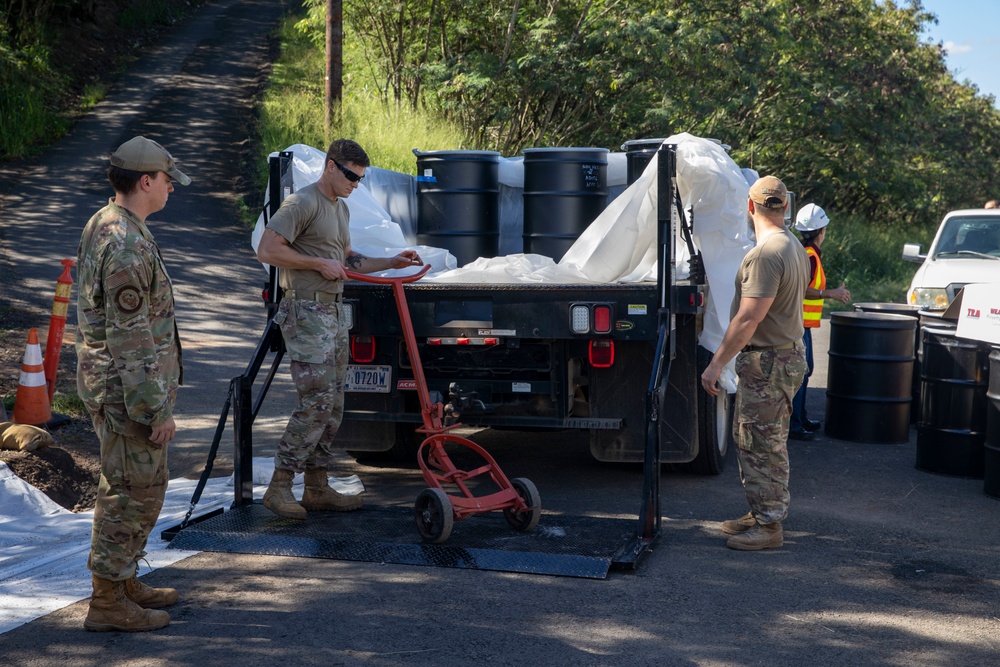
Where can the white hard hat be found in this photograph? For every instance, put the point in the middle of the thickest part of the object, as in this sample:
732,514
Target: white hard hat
811,218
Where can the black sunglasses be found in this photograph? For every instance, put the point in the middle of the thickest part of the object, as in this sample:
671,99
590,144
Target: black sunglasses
348,174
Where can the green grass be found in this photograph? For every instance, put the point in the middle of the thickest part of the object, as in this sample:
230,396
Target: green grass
64,404
68,404
868,259
27,119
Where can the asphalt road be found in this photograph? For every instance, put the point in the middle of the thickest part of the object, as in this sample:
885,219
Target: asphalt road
192,94
883,564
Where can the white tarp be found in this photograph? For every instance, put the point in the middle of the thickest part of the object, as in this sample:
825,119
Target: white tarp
44,547
619,246
373,231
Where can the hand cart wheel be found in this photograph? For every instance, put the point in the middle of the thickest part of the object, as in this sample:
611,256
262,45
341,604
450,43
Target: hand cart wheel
435,515
435,511
528,519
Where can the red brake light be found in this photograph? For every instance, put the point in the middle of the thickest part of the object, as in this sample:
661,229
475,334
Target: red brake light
602,319
601,353
363,349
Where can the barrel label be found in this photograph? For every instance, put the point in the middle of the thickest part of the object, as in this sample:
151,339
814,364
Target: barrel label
591,176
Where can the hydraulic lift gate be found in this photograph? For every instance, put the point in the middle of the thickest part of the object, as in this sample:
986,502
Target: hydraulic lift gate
560,545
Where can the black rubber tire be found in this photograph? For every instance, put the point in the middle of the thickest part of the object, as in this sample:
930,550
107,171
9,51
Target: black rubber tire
434,516
715,426
525,521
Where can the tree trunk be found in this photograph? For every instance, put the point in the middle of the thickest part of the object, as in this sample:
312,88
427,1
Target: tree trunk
334,63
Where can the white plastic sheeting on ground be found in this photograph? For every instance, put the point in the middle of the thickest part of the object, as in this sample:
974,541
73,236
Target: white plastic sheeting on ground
44,548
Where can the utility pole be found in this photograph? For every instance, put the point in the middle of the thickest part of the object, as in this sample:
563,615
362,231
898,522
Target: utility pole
334,63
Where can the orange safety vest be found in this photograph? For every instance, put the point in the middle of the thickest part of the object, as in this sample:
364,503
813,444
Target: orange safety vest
813,308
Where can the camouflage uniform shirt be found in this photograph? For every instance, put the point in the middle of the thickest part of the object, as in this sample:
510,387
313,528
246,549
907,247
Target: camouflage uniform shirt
128,349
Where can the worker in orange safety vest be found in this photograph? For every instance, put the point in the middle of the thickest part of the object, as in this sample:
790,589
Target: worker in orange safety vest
811,222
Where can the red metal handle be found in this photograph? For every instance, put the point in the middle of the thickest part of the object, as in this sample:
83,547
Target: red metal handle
365,278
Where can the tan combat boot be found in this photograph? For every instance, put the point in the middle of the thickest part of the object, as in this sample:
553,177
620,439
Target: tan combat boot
279,499
759,536
318,495
148,597
111,610
741,525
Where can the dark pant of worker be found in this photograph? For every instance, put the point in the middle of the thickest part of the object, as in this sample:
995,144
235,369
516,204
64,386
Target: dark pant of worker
798,419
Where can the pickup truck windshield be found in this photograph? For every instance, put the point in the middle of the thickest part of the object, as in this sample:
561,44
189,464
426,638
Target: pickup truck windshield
970,235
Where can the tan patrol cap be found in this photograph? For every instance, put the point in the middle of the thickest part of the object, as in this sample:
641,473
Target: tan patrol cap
142,154
769,192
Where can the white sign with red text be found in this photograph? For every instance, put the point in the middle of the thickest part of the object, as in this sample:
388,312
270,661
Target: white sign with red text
979,313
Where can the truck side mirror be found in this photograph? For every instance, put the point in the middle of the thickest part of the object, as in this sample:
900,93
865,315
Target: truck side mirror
911,252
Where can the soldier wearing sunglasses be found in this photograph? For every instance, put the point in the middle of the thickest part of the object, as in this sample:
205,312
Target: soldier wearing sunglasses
309,239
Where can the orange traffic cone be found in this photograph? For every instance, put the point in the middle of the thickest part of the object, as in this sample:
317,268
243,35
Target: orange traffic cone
31,405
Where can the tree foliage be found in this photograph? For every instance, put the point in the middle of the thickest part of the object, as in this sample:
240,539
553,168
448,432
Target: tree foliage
845,100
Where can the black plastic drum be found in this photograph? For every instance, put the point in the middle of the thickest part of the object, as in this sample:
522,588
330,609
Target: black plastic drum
909,311
638,153
869,378
458,202
952,428
933,318
991,462
565,189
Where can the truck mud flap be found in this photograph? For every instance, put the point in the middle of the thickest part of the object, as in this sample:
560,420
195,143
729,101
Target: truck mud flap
620,391
568,546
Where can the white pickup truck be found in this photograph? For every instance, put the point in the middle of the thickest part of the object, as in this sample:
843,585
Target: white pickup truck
966,249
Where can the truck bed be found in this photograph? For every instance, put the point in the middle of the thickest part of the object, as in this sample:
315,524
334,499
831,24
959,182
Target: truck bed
517,310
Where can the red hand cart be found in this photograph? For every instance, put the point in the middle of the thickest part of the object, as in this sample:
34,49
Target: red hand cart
436,510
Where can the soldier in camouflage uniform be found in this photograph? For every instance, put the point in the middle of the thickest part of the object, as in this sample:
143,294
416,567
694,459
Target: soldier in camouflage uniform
308,238
766,332
129,368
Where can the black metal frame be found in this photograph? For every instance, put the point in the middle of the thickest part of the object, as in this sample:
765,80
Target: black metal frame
245,407
650,514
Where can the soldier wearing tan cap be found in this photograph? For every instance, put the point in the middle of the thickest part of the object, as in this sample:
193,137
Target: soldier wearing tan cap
765,336
129,368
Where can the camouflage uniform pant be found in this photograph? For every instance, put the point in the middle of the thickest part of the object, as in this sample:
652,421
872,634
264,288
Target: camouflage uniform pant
768,382
130,495
315,335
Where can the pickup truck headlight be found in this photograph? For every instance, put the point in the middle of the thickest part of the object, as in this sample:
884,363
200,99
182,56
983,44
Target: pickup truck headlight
929,298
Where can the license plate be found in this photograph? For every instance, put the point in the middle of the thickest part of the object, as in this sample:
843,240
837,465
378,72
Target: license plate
368,378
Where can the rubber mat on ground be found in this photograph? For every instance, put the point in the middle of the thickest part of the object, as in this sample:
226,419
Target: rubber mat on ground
561,545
